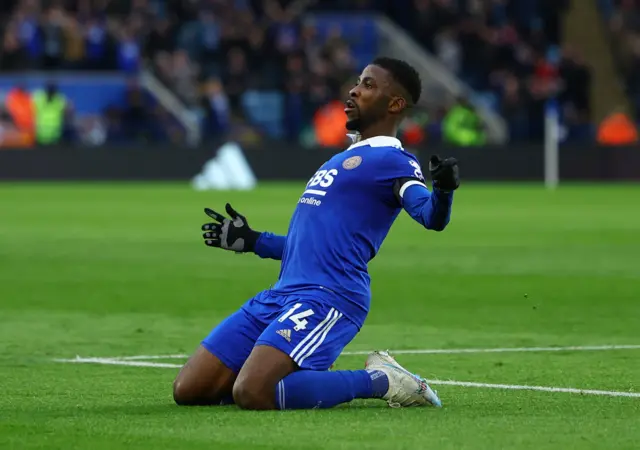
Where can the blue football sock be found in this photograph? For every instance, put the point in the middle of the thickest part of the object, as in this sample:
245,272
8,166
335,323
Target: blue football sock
308,389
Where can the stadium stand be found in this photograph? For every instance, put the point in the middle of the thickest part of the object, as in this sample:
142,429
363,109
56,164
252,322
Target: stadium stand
255,67
623,19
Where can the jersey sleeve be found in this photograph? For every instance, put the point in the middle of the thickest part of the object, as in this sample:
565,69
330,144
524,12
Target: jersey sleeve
405,184
270,246
400,170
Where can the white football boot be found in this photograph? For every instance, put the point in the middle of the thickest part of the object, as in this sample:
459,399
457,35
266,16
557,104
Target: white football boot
405,388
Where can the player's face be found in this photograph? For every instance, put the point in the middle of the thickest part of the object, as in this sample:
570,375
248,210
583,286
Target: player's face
368,100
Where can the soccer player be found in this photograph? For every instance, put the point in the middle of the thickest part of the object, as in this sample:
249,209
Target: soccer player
275,352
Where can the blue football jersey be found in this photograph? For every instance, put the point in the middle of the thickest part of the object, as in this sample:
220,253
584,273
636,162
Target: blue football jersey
341,219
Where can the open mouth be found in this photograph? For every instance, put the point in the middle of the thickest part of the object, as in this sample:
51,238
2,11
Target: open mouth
349,106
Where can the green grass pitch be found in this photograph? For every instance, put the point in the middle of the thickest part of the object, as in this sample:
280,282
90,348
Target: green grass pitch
108,270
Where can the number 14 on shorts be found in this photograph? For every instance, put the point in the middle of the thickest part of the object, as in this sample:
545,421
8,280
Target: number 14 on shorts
299,319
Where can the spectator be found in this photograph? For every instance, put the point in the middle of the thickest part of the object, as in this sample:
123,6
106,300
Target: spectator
217,109
513,107
160,39
263,59
136,115
462,126
448,50
29,32
236,77
184,76
96,41
208,43
617,129
20,108
74,54
13,55
297,107
53,38
50,108
129,48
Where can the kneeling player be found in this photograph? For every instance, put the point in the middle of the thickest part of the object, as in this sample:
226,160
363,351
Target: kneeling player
275,352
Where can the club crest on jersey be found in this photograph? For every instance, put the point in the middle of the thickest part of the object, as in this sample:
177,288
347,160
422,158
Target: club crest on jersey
352,163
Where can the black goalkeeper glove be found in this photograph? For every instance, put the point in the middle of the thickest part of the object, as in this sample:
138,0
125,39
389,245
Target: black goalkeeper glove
444,173
229,234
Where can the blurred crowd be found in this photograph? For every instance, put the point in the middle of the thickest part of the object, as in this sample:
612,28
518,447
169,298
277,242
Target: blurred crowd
71,35
251,68
512,53
623,18
213,54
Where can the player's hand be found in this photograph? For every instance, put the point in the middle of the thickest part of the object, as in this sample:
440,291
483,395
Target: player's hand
229,234
444,173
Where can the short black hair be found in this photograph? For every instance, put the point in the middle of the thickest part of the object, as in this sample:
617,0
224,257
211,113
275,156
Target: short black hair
403,73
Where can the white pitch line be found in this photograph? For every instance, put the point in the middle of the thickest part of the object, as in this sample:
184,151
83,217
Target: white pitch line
536,388
117,362
439,351
451,351
143,357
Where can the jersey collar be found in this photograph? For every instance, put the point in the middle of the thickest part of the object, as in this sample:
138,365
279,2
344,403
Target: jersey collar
376,141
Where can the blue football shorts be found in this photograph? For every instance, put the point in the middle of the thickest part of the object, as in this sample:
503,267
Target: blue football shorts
312,333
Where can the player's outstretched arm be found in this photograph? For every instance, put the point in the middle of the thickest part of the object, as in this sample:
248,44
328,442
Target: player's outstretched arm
431,209
236,235
270,246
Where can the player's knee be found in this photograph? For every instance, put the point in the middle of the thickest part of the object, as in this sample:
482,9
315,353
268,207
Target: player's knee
185,394
247,396
182,395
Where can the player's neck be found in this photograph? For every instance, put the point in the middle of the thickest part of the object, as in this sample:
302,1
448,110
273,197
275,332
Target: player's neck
381,129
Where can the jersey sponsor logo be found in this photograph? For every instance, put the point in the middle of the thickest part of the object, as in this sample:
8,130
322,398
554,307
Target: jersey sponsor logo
322,178
352,163
314,192
317,185
310,201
